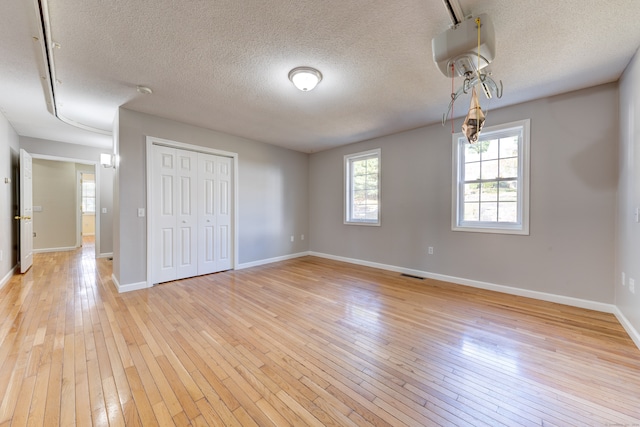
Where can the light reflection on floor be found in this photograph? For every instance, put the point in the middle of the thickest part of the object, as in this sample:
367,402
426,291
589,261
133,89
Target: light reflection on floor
487,354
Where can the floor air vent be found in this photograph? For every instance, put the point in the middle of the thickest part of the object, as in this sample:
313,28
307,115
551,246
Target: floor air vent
412,276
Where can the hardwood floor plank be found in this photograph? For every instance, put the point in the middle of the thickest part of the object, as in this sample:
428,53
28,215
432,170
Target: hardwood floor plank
307,341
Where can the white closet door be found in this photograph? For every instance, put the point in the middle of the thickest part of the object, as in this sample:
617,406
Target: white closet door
214,183
190,214
187,214
163,209
223,213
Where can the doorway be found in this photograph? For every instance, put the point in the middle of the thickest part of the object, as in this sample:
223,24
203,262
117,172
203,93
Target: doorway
87,203
58,203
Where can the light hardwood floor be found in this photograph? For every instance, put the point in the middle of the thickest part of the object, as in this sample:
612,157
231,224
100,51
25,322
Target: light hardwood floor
302,342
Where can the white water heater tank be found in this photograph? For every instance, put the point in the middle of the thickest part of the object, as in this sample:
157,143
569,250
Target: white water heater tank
457,47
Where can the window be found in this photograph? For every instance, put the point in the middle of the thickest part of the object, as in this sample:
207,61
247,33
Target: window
362,192
88,196
491,180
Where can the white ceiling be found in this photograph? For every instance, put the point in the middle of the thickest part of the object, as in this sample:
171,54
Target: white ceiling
223,64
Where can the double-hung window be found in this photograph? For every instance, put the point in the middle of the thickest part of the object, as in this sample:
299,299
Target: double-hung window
362,188
491,180
88,196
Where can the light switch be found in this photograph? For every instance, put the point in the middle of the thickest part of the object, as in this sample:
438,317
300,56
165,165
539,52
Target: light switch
104,210
140,212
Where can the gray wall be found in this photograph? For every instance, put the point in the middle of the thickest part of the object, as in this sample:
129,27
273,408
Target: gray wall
104,176
628,232
570,250
54,190
272,192
9,153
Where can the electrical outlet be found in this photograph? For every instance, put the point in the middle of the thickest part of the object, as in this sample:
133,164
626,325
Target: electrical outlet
1,255
632,285
637,215
430,250
292,238
624,279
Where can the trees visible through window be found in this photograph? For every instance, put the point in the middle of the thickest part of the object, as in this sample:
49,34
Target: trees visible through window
362,178
491,178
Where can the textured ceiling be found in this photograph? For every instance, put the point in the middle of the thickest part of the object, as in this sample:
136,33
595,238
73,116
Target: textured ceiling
223,64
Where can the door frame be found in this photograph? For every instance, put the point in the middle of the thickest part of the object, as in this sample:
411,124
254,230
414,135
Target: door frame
150,142
96,169
79,213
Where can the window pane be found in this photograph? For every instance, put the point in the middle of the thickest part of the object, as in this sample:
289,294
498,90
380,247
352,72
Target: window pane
359,182
490,169
489,192
472,151
471,192
489,212
492,149
372,165
509,168
509,147
372,181
508,212
508,191
358,212
471,211
472,171
372,197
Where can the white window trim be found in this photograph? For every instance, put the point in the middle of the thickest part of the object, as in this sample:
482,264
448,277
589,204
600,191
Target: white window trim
523,182
347,187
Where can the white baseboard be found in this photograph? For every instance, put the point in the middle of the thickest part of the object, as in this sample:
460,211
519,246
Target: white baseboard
128,287
560,299
633,333
8,276
270,260
68,248
575,302
105,255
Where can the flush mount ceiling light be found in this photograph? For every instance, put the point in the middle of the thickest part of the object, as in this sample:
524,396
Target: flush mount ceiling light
305,78
144,90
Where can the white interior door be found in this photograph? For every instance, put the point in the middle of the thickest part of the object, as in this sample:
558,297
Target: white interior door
214,229
223,213
187,218
163,214
26,211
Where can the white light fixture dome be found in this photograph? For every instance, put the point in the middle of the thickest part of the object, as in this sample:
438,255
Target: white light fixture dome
305,78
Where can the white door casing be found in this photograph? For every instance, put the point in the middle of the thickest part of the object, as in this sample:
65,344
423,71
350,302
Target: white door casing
26,211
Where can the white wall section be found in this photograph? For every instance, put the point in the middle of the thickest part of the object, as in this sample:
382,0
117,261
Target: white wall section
628,227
